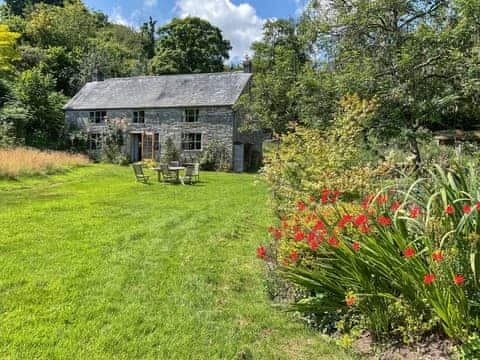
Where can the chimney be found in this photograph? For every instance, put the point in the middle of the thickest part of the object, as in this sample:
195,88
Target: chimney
98,74
247,65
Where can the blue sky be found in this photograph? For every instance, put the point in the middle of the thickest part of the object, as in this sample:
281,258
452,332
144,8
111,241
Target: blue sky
240,20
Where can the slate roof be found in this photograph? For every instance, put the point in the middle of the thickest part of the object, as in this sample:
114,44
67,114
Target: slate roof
195,90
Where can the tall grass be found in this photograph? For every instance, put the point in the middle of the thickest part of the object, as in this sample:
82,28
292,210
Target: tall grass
30,162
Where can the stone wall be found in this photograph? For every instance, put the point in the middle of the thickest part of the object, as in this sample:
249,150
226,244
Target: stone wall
213,123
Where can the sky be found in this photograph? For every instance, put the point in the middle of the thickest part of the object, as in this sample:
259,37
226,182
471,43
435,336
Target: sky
240,20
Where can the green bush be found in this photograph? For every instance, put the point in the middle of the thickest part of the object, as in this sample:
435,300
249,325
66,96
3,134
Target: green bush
408,261
215,157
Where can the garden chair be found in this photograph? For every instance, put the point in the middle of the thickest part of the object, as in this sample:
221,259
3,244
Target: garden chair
167,175
188,177
196,171
138,170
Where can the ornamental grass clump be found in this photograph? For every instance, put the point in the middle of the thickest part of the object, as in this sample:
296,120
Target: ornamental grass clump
411,251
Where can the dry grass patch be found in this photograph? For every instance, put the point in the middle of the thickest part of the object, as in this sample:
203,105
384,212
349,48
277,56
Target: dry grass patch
26,162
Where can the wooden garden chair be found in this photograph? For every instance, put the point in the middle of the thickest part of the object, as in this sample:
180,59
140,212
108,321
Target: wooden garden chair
196,171
188,177
138,170
167,175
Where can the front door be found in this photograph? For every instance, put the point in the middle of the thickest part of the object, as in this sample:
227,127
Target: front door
238,158
136,147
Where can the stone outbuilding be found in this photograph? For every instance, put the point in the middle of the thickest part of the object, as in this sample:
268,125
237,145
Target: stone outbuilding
191,110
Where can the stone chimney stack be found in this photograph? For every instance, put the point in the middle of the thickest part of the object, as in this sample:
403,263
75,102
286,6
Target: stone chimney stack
247,65
98,74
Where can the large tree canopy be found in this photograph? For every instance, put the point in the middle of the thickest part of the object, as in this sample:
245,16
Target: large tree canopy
190,45
16,7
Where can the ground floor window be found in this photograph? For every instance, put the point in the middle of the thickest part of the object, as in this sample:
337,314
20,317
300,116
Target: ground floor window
95,141
192,141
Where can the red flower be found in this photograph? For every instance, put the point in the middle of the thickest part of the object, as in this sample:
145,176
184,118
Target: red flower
344,221
299,236
277,233
478,206
296,228
437,256
364,229
319,225
294,256
367,201
415,211
356,246
395,206
360,219
409,252
324,199
382,199
429,278
312,236
384,220
334,242
261,252
285,225
314,245
459,279
449,209
467,209
300,205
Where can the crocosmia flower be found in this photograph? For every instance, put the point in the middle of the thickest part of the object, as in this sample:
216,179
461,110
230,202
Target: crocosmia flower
449,209
334,242
277,233
300,205
299,236
356,246
409,252
414,211
294,256
437,255
458,279
429,278
261,252
350,300
360,219
467,209
395,206
384,220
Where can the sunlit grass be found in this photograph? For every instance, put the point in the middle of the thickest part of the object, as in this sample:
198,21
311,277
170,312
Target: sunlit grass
97,266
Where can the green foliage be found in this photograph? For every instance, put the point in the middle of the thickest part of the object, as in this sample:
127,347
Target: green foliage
409,260
170,153
470,349
7,134
310,160
190,45
112,142
216,156
17,7
8,53
44,106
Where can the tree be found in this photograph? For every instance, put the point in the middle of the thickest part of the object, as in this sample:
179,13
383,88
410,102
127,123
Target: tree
44,106
147,31
190,45
16,7
277,62
8,53
403,53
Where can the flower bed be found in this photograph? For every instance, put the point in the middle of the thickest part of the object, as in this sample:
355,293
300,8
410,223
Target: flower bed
402,263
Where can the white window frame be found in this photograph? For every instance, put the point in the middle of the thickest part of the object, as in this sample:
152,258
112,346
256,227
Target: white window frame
194,142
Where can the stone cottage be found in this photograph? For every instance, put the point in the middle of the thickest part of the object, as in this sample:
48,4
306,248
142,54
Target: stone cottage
191,110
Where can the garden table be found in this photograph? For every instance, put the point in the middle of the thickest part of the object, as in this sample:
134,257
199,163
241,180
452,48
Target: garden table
177,170
158,170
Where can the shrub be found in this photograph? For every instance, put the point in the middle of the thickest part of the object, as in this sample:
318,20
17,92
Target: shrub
113,141
16,162
215,157
309,160
7,135
413,251
171,152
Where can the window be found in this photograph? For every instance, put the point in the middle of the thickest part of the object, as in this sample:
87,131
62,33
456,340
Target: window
97,117
192,141
139,117
191,115
95,141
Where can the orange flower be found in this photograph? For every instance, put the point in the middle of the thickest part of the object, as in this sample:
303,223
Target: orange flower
459,279
350,300
437,255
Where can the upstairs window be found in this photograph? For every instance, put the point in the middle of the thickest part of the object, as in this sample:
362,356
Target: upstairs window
192,141
97,117
139,117
191,115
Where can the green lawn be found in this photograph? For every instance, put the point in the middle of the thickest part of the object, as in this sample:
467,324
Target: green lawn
94,265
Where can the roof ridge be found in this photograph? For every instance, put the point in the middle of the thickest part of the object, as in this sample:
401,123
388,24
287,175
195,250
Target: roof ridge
172,75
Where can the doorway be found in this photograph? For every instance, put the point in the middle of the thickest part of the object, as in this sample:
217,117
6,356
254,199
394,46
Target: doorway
136,147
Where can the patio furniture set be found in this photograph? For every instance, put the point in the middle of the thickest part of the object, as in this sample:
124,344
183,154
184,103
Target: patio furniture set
170,173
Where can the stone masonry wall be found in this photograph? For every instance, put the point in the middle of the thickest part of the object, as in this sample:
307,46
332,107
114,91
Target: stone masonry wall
213,123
